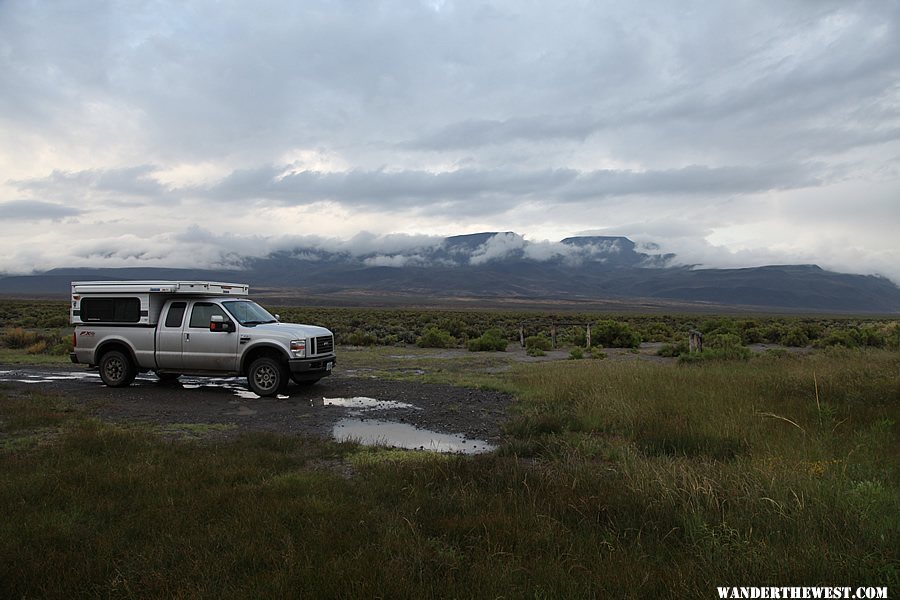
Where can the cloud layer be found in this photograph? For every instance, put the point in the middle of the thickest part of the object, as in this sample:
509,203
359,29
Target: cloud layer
174,134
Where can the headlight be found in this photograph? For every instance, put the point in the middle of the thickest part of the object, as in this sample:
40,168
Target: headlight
298,348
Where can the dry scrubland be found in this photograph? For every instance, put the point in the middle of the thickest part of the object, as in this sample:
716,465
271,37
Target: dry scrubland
618,478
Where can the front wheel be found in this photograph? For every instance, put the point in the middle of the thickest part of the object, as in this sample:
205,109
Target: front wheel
116,369
267,376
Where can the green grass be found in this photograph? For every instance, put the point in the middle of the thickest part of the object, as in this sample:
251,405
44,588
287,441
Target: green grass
484,370
20,357
619,479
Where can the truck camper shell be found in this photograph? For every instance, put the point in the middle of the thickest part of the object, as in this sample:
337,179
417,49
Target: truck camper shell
137,303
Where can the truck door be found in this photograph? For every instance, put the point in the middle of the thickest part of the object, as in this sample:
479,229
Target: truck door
169,343
205,350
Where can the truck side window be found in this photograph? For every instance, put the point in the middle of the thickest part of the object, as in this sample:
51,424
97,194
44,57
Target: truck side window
202,311
111,310
176,314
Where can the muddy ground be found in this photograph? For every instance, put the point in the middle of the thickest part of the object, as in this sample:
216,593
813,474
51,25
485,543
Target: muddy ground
323,410
354,402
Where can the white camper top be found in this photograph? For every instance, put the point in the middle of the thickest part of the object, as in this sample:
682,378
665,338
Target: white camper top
207,288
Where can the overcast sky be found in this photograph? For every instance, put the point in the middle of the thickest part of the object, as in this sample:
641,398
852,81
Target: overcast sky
182,133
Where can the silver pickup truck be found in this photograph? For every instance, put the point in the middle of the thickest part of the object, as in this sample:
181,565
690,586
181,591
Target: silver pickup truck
192,327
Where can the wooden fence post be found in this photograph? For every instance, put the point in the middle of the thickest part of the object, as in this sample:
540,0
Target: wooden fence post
695,341
588,336
553,336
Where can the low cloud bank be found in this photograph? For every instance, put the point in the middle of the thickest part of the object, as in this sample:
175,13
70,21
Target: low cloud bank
197,247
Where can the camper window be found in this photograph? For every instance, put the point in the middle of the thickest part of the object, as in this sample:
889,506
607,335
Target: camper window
111,310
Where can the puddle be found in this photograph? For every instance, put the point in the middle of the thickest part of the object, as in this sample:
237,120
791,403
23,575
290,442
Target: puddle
24,377
391,433
373,432
364,403
236,385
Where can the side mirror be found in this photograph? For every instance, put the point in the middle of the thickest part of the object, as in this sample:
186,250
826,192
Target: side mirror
277,317
218,323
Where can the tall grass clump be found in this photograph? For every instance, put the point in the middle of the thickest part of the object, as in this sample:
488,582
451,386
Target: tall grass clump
18,338
750,469
36,342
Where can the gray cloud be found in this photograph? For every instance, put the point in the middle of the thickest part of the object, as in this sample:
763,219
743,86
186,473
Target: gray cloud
765,124
35,210
467,190
117,185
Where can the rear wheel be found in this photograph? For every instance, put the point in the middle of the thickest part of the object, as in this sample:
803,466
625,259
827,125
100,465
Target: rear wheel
116,369
267,376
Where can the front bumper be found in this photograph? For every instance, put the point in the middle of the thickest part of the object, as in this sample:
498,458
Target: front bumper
314,368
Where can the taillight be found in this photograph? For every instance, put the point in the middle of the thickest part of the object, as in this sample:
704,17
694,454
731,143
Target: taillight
74,339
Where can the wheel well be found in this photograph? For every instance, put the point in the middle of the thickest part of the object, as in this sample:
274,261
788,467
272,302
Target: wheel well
120,346
269,351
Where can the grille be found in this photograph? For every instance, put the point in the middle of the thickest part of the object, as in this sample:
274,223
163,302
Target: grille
324,345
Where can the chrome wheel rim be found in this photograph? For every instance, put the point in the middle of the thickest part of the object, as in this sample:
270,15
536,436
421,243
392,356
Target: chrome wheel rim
265,377
114,369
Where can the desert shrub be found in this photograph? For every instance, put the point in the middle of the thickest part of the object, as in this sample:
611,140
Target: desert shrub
672,350
538,342
750,332
576,353
719,325
455,327
772,333
535,352
18,338
722,341
845,338
658,332
813,329
359,338
39,347
870,337
597,353
720,346
892,336
62,346
796,337
54,321
433,337
490,341
776,354
573,336
614,334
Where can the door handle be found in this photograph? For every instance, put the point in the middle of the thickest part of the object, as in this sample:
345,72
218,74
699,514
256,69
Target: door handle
187,337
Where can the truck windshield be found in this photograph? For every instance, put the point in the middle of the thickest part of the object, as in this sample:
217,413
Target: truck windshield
248,312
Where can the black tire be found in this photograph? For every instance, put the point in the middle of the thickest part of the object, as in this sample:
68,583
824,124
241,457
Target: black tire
168,377
116,369
267,376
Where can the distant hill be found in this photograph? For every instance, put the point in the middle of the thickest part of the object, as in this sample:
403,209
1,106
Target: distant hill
502,265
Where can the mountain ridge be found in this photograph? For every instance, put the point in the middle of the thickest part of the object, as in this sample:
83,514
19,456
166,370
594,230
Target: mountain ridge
500,265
